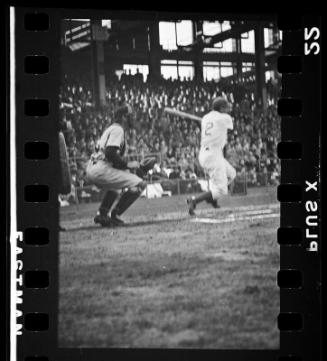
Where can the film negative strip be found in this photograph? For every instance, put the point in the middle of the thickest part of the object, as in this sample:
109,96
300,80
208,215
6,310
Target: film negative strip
219,108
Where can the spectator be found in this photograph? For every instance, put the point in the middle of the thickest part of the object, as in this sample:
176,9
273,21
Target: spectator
251,147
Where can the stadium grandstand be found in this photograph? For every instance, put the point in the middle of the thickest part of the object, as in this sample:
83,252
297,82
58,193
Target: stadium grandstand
179,64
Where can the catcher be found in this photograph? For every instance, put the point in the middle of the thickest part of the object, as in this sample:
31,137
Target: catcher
108,170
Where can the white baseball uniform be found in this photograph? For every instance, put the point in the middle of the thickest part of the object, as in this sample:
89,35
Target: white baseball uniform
214,126
101,172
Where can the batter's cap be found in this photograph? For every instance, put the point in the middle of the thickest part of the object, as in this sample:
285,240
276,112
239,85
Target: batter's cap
219,102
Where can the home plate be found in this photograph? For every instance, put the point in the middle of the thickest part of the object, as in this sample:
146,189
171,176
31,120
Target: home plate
240,216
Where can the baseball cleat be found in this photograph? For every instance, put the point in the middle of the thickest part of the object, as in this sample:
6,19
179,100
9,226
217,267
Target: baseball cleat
104,221
116,220
191,206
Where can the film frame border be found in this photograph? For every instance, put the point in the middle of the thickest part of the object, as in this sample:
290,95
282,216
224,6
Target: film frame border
38,346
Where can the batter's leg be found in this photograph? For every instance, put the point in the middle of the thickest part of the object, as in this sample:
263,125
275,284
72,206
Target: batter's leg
213,202
125,201
216,178
193,201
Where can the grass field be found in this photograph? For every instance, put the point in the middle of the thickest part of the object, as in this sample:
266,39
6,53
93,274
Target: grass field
169,280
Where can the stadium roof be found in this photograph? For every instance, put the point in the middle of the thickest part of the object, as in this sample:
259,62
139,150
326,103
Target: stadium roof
77,33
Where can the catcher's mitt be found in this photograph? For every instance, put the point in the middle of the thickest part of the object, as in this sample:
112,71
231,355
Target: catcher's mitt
146,165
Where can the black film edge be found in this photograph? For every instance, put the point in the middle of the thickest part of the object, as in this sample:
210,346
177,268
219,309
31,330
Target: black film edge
37,124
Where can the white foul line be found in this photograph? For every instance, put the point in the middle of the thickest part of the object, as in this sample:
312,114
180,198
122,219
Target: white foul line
254,212
230,219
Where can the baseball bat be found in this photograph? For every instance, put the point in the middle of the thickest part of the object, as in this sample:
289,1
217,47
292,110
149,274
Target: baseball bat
179,113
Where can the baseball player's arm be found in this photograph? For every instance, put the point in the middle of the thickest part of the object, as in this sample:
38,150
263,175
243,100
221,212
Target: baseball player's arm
112,148
113,155
230,122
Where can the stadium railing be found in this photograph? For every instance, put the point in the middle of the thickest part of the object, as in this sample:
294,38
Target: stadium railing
85,193
82,192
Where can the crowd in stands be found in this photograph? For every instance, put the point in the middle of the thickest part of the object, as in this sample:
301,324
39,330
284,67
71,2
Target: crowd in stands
251,146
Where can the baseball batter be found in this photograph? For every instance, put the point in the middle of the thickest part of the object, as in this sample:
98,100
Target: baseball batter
214,127
108,170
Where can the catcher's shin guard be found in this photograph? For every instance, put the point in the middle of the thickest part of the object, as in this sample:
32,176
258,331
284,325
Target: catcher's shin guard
107,202
127,199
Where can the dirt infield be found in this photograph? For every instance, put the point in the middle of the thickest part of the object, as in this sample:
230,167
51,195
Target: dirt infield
167,280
